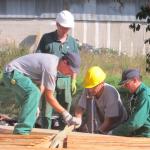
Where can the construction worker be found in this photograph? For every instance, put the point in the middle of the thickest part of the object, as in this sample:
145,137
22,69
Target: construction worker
138,123
22,76
58,43
102,103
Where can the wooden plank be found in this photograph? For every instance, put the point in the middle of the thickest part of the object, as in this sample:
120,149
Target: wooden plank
9,129
21,148
106,141
25,136
28,140
40,138
89,148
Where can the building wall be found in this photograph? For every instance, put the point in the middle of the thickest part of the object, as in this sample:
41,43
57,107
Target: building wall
98,10
100,23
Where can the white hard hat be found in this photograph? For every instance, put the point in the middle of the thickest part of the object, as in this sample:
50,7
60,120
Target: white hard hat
65,19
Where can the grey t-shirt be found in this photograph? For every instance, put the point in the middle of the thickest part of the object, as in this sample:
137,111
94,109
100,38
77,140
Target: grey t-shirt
40,67
109,103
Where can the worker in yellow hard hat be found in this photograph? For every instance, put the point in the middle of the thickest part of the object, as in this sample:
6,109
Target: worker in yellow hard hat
101,102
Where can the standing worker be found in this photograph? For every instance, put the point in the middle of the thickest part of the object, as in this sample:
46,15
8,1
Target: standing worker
20,76
59,43
138,123
107,110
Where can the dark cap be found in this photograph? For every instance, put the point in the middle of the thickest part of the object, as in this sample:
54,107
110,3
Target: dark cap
74,60
129,74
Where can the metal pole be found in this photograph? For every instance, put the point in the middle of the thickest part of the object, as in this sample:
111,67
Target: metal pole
90,114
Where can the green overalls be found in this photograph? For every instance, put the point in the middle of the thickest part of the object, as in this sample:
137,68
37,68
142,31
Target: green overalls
50,44
138,123
28,96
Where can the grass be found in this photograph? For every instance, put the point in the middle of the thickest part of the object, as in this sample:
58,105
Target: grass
109,61
113,65
6,55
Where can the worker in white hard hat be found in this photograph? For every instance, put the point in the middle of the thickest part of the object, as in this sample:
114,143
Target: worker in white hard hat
101,102
59,43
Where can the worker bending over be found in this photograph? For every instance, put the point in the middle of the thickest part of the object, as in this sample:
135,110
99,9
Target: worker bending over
21,74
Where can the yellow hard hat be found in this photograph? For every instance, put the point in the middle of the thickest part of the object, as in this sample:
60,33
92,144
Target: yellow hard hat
94,76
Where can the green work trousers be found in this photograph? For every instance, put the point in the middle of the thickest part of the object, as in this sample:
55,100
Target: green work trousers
62,94
28,96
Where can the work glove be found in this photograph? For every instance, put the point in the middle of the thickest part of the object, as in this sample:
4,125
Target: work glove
76,122
73,86
67,117
69,120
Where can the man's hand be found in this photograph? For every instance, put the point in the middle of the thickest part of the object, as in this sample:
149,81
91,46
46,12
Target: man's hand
76,122
71,120
99,132
67,117
73,86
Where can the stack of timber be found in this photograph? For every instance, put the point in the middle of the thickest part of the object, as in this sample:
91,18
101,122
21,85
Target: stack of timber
40,140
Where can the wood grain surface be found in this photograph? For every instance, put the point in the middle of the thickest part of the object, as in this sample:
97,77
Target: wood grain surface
40,139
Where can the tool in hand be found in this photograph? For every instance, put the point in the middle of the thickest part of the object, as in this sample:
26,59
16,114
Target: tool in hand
58,140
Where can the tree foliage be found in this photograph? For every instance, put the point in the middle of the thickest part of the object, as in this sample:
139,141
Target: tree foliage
142,15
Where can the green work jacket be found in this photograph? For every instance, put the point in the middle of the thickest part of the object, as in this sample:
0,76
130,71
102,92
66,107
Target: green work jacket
49,43
138,123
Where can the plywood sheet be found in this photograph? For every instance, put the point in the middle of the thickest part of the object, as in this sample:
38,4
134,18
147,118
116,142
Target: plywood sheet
40,139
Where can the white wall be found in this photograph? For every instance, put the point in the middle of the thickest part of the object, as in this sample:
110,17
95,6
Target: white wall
114,35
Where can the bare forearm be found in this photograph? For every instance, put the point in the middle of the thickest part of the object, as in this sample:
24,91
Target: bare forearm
108,124
79,112
74,76
105,127
53,102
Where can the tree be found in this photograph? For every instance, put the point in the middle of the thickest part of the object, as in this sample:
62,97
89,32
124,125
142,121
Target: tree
143,15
